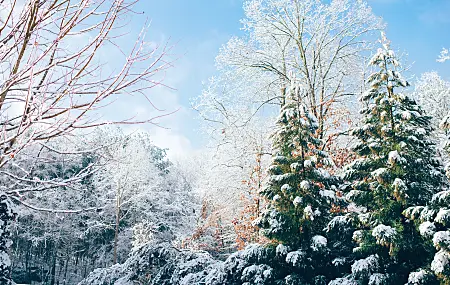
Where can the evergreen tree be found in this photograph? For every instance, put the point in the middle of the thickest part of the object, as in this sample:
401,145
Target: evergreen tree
299,191
433,221
396,169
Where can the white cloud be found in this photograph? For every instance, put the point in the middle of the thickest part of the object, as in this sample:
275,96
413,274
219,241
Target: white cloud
178,145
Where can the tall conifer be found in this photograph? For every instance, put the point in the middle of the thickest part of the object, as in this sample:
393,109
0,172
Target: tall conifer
396,169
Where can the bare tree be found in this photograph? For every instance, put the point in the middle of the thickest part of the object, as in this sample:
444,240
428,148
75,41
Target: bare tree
53,82
319,43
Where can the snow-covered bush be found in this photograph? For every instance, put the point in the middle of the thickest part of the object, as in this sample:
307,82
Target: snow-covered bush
364,268
421,277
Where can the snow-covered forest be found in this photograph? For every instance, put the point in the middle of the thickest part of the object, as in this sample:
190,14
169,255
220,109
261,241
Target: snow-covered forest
325,159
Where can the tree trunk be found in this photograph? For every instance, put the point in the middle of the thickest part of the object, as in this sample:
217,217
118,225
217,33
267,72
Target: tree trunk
7,215
53,271
66,266
116,234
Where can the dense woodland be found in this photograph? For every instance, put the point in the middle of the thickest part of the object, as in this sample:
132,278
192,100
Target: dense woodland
324,166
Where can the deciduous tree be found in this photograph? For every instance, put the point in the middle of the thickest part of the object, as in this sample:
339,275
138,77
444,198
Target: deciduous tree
53,79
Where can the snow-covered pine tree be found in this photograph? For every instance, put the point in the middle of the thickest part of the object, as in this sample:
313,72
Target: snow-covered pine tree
299,190
396,169
433,221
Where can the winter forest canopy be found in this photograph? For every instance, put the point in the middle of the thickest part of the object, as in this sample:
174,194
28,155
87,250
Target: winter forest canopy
325,159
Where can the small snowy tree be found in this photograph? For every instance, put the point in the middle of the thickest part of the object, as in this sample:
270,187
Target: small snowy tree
433,94
396,168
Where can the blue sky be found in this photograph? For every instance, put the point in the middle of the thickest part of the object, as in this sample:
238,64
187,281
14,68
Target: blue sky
200,27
